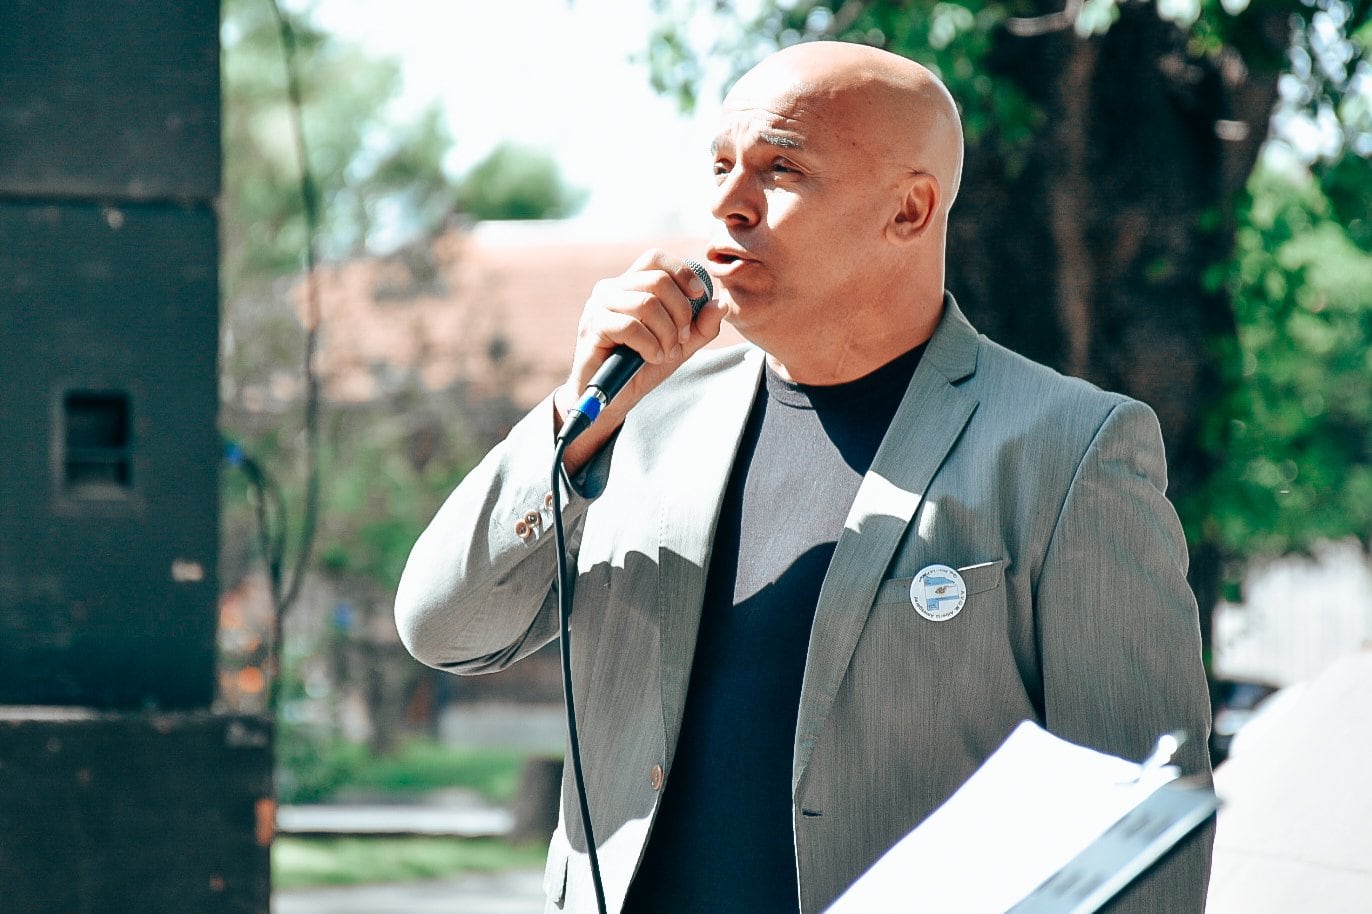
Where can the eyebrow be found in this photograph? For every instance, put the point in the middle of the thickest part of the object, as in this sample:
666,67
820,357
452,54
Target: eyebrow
779,140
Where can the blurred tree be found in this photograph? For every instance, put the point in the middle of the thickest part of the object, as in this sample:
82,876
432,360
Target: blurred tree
1108,145
516,183
1297,420
380,183
380,180
391,464
383,193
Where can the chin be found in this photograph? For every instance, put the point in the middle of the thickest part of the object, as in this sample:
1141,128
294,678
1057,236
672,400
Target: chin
742,310
747,323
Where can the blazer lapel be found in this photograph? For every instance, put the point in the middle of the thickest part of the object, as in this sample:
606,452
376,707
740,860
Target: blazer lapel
713,430
927,423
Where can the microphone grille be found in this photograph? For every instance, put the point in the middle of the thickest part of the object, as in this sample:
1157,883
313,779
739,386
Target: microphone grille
698,268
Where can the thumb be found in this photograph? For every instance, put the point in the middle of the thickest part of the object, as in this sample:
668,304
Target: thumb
707,323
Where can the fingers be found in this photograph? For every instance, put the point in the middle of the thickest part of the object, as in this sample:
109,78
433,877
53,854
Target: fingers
648,308
683,275
630,317
654,262
707,325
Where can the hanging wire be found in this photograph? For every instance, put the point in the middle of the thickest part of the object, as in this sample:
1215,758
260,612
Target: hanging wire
269,504
565,584
309,198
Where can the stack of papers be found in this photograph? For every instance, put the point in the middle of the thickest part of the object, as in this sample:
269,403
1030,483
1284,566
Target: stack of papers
1011,836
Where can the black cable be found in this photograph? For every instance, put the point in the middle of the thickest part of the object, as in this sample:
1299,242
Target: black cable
269,507
309,198
564,604
268,496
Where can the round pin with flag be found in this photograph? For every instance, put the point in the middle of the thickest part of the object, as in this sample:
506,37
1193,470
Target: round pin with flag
938,593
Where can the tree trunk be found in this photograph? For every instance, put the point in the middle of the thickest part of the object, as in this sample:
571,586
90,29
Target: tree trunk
1131,175
537,800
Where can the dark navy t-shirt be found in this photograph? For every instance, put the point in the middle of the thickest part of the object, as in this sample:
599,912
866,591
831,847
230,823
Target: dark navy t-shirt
722,839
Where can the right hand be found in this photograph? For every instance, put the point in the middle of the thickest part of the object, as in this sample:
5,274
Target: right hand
648,309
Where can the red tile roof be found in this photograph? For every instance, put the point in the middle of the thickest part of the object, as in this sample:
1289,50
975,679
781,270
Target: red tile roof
496,306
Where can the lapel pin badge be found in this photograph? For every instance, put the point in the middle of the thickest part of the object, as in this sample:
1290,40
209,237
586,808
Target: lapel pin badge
938,593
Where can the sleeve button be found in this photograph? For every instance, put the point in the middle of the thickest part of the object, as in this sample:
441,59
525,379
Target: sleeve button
655,777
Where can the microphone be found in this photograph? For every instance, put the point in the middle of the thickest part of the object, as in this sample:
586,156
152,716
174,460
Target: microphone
616,371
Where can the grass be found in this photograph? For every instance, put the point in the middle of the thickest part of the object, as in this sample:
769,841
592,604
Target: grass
319,771
421,766
314,772
311,862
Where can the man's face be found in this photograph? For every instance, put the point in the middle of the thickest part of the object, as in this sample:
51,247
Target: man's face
803,193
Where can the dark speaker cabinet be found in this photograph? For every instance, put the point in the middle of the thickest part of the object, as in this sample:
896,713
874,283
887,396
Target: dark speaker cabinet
134,813
108,454
139,800
109,99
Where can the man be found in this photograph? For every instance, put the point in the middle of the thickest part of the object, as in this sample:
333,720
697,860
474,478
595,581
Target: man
820,578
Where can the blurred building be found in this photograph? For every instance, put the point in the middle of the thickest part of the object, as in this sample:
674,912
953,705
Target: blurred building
431,352
493,308
1299,615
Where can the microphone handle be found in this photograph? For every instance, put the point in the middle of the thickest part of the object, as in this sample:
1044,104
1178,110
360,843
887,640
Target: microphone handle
618,368
615,372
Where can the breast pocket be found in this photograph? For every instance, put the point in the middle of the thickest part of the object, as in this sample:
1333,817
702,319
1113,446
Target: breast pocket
943,660
981,578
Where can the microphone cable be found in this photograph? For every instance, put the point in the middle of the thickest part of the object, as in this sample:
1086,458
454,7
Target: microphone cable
564,607
608,381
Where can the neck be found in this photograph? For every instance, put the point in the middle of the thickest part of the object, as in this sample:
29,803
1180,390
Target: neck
849,350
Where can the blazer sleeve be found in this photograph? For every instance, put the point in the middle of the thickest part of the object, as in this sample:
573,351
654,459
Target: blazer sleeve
1119,632
477,591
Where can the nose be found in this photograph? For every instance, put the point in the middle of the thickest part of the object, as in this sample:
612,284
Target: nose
738,200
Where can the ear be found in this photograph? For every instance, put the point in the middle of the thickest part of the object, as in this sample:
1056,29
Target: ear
917,208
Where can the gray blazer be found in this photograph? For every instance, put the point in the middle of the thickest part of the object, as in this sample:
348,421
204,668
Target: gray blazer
1046,493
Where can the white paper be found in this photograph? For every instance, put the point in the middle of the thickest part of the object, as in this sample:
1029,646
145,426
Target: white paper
1031,807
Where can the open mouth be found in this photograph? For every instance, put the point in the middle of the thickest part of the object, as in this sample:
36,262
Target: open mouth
724,258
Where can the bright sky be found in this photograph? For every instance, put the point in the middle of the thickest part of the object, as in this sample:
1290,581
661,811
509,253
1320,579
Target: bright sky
552,74
560,75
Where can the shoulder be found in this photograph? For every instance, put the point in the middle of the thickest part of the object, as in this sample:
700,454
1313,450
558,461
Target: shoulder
1074,418
1008,377
1016,390
1012,389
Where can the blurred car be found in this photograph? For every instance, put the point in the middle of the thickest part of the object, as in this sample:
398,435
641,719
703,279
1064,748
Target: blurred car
1233,702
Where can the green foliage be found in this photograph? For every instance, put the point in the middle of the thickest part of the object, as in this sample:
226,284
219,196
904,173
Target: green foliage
516,183
1347,186
384,486
380,498
380,178
952,39
377,176
313,768
369,166
957,40
299,863
419,767
1291,434
1295,436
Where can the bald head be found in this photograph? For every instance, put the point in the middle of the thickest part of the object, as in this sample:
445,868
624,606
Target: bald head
898,109
835,165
